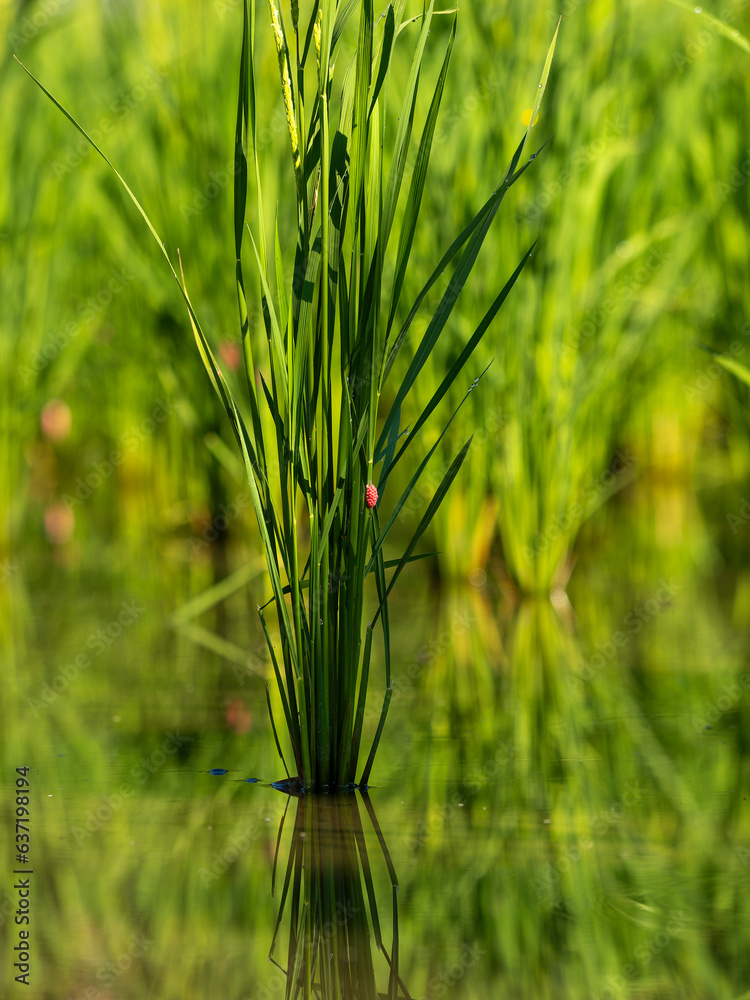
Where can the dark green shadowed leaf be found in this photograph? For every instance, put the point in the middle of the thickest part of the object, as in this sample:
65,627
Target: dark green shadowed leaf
385,56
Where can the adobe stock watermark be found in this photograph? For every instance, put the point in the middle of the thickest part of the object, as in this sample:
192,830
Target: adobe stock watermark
29,27
7,569
220,522
730,696
442,984
97,642
238,843
494,421
229,512
545,883
258,660
86,312
621,466
427,654
632,624
110,972
708,33
737,179
643,955
120,108
277,984
466,109
741,517
95,819
531,211
100,472
621,292
219,180
470,786
711,374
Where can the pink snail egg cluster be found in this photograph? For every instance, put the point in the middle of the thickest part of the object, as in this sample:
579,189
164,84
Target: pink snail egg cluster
371,496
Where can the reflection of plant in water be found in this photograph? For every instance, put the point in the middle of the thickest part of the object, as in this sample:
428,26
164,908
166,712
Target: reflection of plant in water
556,803
329,899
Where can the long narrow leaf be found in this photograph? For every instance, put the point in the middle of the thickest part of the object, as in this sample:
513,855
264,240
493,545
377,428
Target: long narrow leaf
467,350
414,200
432,507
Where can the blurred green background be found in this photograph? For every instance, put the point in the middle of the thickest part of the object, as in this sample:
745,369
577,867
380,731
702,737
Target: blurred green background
553,796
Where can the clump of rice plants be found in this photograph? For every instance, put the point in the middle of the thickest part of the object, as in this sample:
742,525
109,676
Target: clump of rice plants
317,450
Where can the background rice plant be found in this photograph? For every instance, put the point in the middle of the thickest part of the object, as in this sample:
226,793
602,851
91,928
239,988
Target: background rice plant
621,288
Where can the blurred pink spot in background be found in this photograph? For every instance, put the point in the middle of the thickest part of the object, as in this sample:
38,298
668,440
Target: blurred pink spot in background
229,352
55,420
238,718
59,523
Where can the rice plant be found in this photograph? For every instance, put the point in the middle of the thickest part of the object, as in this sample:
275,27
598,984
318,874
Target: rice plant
317,449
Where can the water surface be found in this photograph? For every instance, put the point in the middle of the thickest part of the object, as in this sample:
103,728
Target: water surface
560,797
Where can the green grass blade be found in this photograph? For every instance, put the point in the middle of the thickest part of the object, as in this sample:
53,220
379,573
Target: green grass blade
721,27
215,375
273,727
390,563
343,14
418,17
390,451
218,592
412,483
458,365
361,701
416,190
479,219
386,47
432,507
280,287
365,778
120,178
440,317
304,328
288,697
382,597
403,133
310,31
732,365
542,83
277,343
